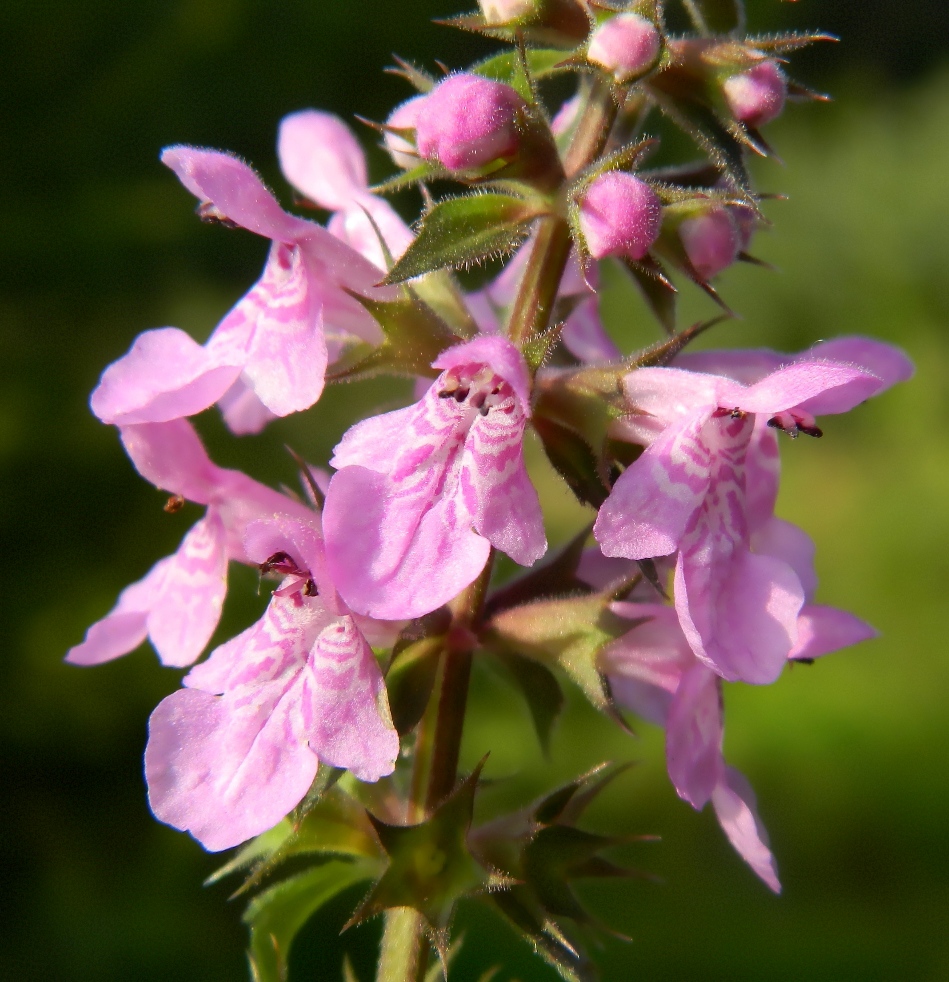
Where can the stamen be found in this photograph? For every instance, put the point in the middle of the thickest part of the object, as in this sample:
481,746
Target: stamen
173,504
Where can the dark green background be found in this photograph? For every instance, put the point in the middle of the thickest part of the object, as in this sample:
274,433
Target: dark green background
99,242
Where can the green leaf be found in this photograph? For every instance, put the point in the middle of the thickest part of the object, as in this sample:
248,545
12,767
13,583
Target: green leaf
410,680
277,914
658,291
506,67
568,633
465,230
413,337
716,16
541,691
425,171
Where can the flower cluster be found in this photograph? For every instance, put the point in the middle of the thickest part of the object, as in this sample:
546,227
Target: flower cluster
675,452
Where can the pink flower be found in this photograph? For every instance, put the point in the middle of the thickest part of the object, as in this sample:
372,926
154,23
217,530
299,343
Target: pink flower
706,482
268,356
712,241
178,603
468,121
322,159
653,671
620,215
756,97
422,493
233,752
627,46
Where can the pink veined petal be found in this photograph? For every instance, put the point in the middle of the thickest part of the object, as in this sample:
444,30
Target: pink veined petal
286,355
125,627
235,190
786,541
671,394
585,336
187,608
275,647
504,359
885,361
376,442
740,616
345,710
171,456
647,511
737,811
243,412
762,474
506,507
164,376
321,158
822,630
694,734
395,557
827,387
745,365
226,769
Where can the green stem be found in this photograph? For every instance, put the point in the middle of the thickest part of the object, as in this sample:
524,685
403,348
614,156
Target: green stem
537,293
401,957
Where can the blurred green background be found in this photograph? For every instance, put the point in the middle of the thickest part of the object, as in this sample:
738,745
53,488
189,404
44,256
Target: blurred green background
99,242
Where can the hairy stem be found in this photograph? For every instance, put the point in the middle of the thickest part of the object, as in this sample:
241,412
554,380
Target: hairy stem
537,294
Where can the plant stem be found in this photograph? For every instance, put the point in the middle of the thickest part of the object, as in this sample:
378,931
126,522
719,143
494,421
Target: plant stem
399,954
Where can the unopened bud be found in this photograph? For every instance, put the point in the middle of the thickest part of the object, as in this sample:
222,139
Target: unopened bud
403,117
756,97
620,215
505,11
626,45
467,121
711,240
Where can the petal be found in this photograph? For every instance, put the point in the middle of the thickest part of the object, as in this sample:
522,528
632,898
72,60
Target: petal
346,713
737,811
164,376
822,630
762,474
823,386
187,609
885,361
286,359
353,226
584,334
243,412
790,543
506,507
498,354
394,555
376,442
739,614
694,734
225,769
274,648
746,365
671,394
172,457
647,511
124,628
321,158
235,190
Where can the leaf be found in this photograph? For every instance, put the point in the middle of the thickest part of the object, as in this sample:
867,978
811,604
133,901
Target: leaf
465,230
541,691
413,337
658,291
716,16
410,680
276,915
506,67
573,459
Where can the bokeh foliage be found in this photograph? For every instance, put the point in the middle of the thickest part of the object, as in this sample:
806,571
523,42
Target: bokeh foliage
99,242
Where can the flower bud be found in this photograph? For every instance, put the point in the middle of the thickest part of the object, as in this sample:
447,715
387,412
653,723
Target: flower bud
620,215
467,121
711,241
403,117
757,96
505,11
626,45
